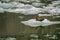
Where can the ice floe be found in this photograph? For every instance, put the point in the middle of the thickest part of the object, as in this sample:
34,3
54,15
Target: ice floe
38,4
44,14
20,5
28,1
34,23
55,11
6,5
26,10
11,5
52,10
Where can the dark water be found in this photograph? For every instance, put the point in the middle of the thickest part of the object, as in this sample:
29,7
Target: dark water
10,26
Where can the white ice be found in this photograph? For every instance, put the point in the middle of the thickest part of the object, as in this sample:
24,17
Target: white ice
26,10
44,14
53,8
34,23
38,4
6,5
55,11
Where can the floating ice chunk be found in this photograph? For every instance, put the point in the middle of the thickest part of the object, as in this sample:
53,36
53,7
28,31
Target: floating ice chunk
34,23
20,5
38,4
54,4
52,10
31,22
6,5
44,14
26,10
46,21
32,11
55,11
27,6
34,0
15,10
47,9
17,4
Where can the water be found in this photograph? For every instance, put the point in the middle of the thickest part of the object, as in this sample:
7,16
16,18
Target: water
11,26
